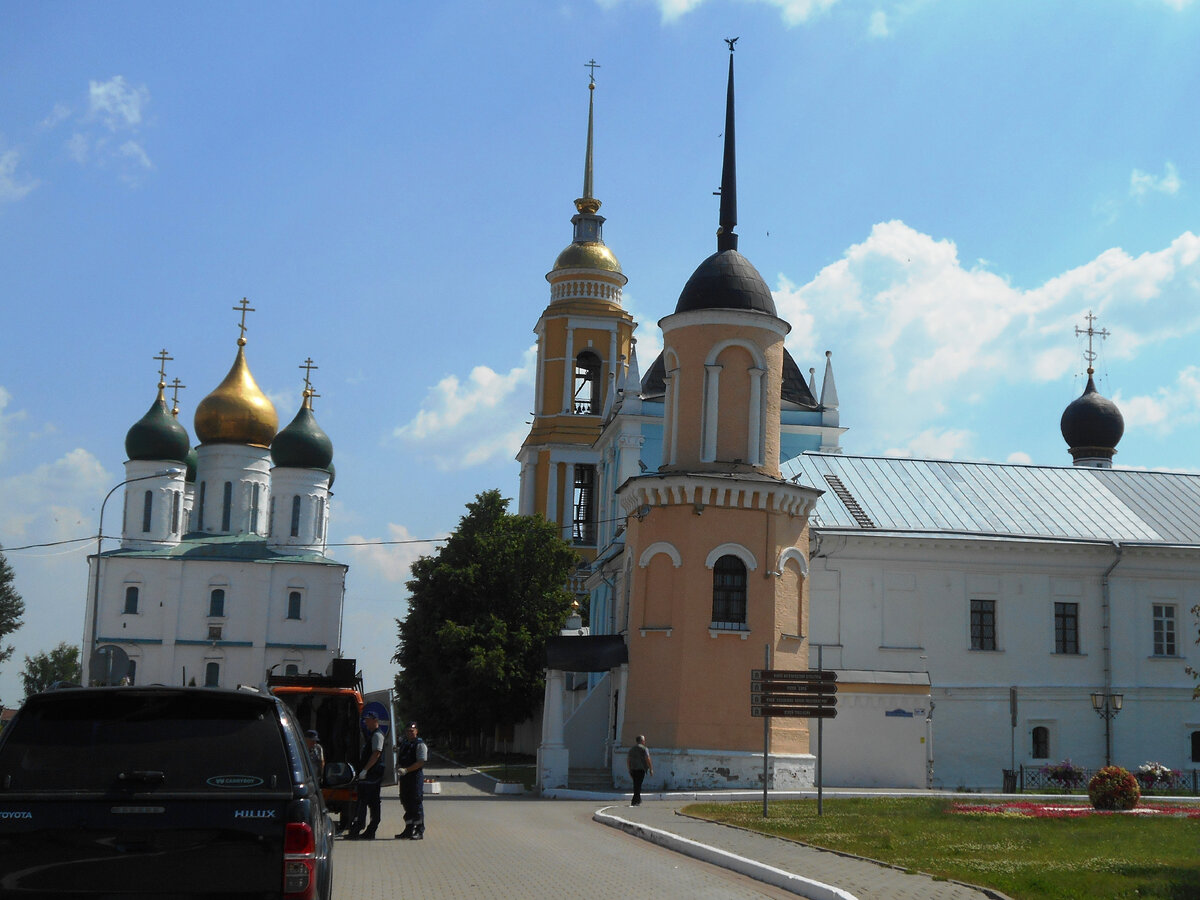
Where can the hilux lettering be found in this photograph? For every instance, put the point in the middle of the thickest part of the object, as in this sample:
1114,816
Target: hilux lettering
254,813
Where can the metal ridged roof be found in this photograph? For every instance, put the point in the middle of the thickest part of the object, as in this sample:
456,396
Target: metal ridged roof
872,493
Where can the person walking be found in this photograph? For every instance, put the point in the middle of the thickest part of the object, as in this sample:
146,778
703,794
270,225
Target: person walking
411,756
370,777
639,763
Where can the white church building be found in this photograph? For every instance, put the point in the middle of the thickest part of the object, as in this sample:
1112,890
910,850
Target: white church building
221,574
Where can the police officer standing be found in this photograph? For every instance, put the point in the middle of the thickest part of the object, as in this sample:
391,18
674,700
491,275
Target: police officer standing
411,755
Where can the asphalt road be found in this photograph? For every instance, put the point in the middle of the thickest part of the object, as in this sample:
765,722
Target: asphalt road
479,844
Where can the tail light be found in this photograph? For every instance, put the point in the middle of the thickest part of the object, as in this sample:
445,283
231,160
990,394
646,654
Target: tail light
299,862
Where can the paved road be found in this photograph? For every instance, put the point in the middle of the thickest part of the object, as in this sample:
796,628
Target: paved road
479,844
482,845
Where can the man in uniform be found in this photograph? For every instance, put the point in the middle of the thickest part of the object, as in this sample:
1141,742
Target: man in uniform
410,760
370,776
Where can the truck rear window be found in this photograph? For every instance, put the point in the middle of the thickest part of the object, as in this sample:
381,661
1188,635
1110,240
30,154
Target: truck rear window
128,740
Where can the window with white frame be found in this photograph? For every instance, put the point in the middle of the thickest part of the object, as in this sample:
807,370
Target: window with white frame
1041,743
729,594
212,674
216,603
131,599
295,598
1164,630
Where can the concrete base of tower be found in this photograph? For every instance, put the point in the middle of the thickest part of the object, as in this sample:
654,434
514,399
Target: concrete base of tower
716,770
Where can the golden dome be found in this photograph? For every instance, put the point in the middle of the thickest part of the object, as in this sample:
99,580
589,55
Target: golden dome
237,412
588,255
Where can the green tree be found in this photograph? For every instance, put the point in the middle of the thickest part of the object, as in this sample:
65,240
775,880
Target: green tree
472,647
44,669
12,607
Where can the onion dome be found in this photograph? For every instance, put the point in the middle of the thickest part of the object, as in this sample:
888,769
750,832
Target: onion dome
237,412
1092,425
332,473
727,280
192,458
157,435
302,445
588,255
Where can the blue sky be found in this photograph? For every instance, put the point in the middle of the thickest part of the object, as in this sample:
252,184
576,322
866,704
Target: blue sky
937,191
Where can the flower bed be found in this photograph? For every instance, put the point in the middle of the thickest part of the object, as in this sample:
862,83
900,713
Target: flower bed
1071,810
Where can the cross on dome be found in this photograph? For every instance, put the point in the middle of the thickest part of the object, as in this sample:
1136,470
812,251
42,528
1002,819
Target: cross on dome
243,307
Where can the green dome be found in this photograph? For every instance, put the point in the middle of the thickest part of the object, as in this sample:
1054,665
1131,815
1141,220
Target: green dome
332,473
190,477
157,435
302,445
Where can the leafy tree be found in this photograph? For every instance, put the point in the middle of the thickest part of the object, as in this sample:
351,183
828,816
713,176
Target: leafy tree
12,607
472,646
44,669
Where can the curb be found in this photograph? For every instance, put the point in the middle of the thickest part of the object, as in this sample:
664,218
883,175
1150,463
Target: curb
796,884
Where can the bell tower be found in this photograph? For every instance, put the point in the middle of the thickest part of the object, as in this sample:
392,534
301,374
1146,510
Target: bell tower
583,346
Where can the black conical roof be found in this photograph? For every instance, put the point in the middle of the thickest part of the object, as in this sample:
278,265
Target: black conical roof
726,280
1092,422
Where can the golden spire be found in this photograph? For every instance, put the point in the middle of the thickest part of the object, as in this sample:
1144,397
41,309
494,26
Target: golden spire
587,203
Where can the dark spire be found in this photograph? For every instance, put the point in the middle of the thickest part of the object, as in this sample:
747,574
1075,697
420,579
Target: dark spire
726,239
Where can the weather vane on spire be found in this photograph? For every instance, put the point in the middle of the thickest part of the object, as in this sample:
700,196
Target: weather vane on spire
593,66
163,359
244,307
1091,332
731,42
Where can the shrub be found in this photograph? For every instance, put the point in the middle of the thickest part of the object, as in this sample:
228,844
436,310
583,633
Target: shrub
1066,774
1114,788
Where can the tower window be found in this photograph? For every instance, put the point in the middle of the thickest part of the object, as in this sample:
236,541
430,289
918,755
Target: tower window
255,492
729,594
200,508
147,509
320,518
131,600
212,674
1041,742
1066,627
296,516
587,384
226,506
584,518
174,512
216,602
293,605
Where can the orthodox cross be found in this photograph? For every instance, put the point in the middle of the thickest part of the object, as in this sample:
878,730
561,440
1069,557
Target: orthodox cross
176,387
593,66
244,307
163,359
308,366
1091,332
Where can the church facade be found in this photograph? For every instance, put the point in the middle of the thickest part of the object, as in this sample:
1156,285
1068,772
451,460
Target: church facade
974,613
221,574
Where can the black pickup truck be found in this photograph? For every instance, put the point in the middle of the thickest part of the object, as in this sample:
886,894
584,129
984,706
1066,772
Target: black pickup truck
161,792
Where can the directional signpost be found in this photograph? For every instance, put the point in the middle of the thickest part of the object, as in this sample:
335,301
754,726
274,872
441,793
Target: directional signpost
783,693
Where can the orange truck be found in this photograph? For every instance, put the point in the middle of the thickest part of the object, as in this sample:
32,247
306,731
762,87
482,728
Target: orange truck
332,704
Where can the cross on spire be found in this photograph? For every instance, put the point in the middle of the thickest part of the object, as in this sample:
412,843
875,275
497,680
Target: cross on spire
163,359
592,65
308,366
243,307
1091,332
176,387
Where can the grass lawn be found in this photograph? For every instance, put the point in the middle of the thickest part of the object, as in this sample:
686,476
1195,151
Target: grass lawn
1045,856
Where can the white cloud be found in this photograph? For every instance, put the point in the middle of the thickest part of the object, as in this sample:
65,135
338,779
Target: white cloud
77,148
877,25
1168,408
389,558
13,187
467,424
60,113
1142,183
6,420
1019,458
48,502
934,443
133,150
116,104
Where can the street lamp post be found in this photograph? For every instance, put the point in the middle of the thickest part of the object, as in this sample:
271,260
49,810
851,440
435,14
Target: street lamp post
1107,706
99,543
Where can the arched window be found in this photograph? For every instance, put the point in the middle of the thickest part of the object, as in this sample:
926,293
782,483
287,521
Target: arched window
131,600
296,516
255,490
584,518
291,669
320,518
212,674
200,508
227,506
216,602
293,604
587,384
147,509
1041,742
729,594
174,512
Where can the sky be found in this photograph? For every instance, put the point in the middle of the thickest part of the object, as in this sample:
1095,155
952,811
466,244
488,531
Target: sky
937,191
